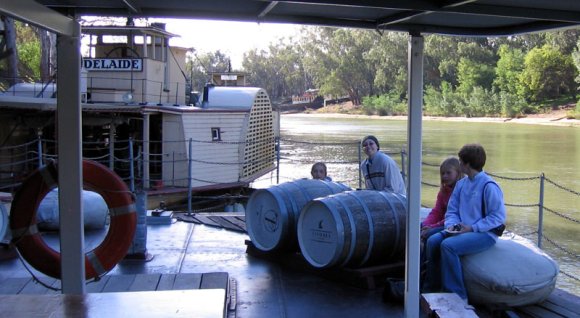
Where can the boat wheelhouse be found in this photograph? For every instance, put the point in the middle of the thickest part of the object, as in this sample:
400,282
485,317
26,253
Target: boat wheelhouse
139,120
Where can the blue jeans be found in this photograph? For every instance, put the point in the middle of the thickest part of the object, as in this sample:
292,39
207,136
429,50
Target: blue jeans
444,263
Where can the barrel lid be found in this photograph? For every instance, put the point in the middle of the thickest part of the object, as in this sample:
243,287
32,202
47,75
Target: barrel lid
265,215
320,234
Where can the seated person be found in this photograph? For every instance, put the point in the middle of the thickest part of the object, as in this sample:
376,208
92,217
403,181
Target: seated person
450,173
318,171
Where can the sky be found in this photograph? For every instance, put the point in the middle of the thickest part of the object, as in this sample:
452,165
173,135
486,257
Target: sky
231,38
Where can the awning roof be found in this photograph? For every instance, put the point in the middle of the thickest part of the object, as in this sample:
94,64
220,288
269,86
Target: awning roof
455,17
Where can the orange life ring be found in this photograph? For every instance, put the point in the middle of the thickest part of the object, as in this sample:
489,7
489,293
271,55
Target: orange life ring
96,177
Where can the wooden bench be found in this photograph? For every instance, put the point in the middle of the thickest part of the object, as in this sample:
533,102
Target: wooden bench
208,303
445,305
138,295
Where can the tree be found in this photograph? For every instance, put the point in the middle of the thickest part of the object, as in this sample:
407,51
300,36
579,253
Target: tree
509,67
547,74
471,74
200,66
336,60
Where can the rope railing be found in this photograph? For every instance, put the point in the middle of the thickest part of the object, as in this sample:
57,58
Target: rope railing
16,161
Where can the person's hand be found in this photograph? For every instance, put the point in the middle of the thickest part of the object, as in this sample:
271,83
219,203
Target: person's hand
459,228
465,228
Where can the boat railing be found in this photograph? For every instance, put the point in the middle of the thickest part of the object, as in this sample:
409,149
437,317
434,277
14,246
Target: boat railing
103,89
556,223
554,226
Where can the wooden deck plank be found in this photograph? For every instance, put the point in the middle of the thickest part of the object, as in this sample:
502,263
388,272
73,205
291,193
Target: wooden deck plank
13,285
119,283
226,222
562,311
445,305
537,312
166,282
205,220
98,285
145,282
187,281
215,280
564,299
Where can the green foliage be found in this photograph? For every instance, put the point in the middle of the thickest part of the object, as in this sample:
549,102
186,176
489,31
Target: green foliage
512,105
200,65
471,74
463,76
547,74
28,47
384,105
509,67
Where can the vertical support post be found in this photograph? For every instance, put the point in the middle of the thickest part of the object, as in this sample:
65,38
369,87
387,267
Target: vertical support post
412,257
39,148
277,147
69,130
189,176
358,166
131,166
541,211
404,166
146,154
112,132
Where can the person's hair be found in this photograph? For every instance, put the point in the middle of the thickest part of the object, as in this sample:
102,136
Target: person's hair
322,164
474,155
451,163
373,138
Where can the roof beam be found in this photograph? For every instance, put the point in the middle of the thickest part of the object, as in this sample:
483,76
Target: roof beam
406,15
133,7
267,9
453,6
39,15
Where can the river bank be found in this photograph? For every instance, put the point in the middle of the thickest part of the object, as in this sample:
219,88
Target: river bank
552,118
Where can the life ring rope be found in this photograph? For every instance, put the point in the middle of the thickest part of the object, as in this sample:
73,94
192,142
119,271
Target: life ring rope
96,177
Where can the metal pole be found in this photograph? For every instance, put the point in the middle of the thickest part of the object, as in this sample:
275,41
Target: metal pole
403,166
541,211
112,129
189,174
414,141
277,160
359,161
146,155
39,147
131,173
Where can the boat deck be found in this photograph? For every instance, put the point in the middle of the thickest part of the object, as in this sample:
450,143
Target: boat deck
189,256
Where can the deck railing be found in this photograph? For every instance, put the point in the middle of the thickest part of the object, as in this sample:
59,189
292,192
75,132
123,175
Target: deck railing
127,160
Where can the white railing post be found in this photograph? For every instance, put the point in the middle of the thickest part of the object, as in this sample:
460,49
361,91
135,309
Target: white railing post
189,175
131,173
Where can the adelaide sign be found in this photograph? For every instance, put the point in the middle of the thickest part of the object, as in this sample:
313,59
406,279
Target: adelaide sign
113,65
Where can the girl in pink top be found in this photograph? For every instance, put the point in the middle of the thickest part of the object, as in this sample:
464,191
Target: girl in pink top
450,173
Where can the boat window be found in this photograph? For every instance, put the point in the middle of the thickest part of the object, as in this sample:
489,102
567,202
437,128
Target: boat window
216,134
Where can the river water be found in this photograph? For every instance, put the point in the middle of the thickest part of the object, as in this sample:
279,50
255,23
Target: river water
517,155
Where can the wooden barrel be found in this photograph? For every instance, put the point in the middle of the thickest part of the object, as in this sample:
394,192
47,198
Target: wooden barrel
272,213
353,228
